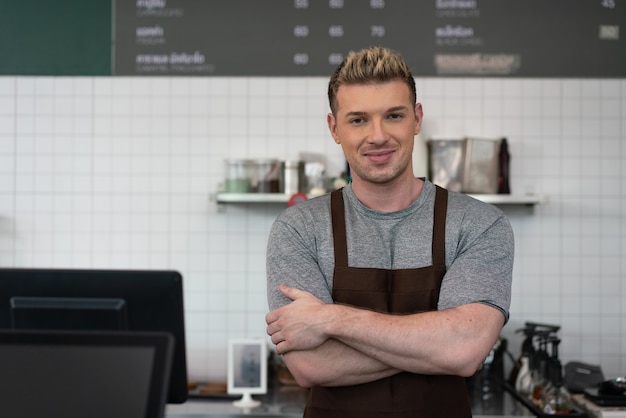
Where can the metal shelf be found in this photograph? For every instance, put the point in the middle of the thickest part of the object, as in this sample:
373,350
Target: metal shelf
252,198
509,199
494,199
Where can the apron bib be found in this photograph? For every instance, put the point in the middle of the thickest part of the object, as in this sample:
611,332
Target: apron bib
402,291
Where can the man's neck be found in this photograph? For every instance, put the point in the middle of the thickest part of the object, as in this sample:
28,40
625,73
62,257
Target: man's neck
388,197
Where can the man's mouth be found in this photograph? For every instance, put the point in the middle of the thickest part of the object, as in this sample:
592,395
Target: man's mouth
379,157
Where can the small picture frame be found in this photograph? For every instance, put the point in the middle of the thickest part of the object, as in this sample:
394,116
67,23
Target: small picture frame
247,370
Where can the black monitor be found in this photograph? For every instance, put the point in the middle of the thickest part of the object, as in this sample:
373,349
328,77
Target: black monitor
77,374
104,300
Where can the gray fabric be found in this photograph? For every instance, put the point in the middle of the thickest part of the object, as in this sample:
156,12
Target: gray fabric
479,247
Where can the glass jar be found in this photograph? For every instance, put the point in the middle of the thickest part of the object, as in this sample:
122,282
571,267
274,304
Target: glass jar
237,176
265,176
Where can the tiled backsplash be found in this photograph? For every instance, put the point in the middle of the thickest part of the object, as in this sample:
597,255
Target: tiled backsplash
117,172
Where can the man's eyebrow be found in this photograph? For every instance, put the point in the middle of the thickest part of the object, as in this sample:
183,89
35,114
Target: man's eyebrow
391,109
397,108
356,113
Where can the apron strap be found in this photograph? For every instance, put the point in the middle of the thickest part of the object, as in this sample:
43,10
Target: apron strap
439,227
339,229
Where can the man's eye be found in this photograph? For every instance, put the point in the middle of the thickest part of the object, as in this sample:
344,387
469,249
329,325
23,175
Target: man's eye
395,116
356,121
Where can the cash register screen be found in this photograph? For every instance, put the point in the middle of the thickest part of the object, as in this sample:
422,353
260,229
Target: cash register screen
88,379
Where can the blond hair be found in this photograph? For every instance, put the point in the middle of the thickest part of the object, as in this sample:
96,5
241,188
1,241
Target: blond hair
371,65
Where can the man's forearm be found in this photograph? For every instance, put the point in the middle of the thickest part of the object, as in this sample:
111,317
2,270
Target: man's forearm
334,364
455,341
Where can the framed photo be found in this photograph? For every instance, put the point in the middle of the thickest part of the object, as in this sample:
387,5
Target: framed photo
247,370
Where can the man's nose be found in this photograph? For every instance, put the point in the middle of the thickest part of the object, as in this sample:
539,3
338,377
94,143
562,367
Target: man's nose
378,133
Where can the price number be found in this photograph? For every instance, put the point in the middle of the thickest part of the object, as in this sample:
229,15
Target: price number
335,4
301,58
377,4
335,31
608,4
377,31
335,58
301,31
301,4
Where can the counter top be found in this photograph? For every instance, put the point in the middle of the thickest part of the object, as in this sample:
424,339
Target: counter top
288,402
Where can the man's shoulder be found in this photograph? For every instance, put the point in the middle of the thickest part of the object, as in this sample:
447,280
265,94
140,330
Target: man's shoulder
313,207
458,200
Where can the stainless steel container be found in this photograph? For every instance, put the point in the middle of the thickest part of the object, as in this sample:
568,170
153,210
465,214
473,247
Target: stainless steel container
292,178
446,163
481,165
468,165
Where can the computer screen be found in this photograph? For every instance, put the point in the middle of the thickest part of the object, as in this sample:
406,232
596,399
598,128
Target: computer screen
76,374
75,299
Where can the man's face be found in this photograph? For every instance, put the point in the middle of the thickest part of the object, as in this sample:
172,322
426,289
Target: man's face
375,124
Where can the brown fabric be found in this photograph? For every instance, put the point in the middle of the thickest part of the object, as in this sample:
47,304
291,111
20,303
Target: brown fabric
402,291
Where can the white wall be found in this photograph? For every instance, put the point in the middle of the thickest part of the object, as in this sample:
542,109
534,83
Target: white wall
116,172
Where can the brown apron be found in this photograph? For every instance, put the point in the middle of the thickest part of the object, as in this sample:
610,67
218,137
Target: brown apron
402,291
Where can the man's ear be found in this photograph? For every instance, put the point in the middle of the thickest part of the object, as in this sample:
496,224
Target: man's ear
332,127
419,115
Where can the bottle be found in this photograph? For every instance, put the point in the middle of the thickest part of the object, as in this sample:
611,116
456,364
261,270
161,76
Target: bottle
523,383
554,402
540,370
504,162
528,351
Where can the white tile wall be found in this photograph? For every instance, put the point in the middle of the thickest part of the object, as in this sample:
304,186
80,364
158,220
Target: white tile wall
115,172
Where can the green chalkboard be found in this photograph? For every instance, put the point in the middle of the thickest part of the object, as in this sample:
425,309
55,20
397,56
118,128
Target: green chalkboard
55,37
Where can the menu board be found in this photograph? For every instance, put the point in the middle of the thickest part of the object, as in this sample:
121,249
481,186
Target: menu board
521,38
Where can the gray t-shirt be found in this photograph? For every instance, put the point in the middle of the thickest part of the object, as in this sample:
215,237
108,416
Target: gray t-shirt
479,247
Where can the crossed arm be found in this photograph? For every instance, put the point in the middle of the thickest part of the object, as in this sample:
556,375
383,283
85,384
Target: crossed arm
338,345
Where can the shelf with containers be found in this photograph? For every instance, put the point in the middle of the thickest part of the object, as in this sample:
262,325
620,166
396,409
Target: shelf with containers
494,199
274,181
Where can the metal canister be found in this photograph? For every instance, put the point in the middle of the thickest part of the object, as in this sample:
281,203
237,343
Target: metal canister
293,179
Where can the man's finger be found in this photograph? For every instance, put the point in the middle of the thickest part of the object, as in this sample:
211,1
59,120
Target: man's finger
291,292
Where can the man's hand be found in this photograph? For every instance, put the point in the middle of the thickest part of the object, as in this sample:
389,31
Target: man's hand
298,325
299,331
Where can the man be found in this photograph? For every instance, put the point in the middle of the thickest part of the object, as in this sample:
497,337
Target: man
387,293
